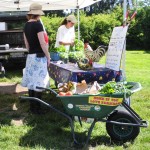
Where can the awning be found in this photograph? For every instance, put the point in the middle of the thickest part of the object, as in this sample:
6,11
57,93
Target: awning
23,5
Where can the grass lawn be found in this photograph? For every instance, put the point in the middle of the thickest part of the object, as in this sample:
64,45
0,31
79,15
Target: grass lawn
20,130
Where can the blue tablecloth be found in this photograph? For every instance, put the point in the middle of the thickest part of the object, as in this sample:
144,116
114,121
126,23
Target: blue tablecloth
62,73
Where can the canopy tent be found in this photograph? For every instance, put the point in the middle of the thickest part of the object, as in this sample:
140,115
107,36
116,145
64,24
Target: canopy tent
23,5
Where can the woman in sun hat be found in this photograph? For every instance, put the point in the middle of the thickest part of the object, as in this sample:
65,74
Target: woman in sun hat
36,72
66,32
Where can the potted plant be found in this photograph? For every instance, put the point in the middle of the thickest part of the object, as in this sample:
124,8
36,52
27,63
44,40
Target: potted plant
64,57
79,45
72,57
75,56
55,52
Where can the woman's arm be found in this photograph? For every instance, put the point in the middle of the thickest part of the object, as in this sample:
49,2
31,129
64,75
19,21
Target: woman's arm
26,42
44,46
65,43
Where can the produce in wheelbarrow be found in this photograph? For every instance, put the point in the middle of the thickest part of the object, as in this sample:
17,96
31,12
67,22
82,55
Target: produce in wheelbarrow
115,87
70,88
65,87
69,93
110,87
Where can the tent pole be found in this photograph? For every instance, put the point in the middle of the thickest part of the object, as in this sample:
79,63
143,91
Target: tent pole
124,11
124,49
78,14
78,24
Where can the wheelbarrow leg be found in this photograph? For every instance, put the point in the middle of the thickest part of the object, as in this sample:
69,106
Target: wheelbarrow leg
56,110
76,143
90,131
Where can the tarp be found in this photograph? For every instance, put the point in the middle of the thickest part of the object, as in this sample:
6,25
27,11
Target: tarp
23,5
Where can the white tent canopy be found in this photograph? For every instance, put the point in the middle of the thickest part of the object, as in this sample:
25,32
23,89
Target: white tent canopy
23,5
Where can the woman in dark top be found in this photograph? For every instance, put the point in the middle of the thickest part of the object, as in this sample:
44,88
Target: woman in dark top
36,72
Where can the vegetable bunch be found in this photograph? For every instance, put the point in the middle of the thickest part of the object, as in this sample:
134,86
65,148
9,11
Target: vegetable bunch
112,87
61,48
78,46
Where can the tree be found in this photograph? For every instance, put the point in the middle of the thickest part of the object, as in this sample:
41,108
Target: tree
143,3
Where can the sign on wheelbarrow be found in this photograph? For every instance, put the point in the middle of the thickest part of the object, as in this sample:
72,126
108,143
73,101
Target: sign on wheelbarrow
109,101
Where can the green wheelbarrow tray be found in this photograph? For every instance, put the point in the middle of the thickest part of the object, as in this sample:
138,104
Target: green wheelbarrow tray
102,108
95,106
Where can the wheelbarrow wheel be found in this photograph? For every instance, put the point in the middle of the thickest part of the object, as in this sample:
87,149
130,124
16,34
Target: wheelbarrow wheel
122,132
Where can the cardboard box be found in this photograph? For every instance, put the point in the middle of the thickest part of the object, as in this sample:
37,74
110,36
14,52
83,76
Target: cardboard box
3,26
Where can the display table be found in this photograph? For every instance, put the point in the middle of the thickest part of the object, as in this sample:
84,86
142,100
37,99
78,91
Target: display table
62,73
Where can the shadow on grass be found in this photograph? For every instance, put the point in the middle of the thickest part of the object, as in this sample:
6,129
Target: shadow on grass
8,108
11,73
147,52
52,131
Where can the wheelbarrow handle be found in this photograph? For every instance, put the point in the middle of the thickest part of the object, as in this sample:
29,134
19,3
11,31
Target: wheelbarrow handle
49,89
136,87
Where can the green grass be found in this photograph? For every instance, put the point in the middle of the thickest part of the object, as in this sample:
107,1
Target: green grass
12,76
51,131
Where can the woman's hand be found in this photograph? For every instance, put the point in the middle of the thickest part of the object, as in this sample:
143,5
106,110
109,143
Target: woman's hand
72,44
48,63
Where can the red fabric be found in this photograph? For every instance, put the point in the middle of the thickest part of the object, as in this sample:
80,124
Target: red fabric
134,14
46,37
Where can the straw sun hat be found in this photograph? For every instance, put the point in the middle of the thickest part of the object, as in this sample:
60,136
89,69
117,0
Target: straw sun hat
71,18
35,9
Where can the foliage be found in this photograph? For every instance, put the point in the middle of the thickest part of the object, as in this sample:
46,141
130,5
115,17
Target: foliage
78,45
63,55
101,7
112,87
143,3
76,55
61,48
97,28
146,27
139,31
51,24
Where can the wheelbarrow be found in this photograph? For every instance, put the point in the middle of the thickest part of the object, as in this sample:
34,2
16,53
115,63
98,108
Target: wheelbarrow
122,122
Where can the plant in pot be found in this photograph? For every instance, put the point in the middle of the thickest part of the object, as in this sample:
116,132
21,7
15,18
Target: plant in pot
64,57
72,57
76,56
79,45
55,52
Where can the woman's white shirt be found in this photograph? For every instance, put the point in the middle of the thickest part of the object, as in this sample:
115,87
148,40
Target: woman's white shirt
65,35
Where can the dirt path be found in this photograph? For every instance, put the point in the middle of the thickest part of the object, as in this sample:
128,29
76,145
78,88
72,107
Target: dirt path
12,88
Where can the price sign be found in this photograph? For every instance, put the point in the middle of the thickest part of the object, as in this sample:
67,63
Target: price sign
116,47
